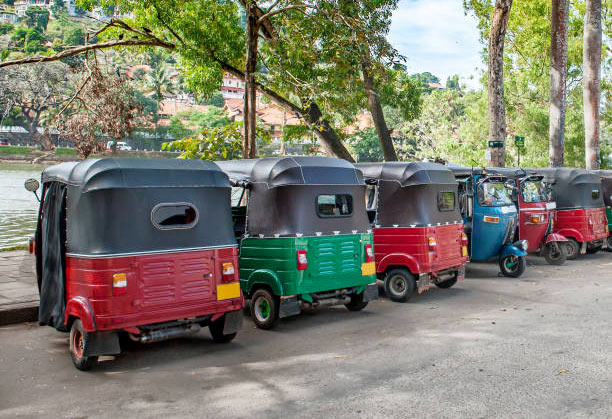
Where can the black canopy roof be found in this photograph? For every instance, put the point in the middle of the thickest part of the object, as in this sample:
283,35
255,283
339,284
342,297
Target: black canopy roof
408,173
512,172
462,172
573,188
110,204
606,183
114,173
299,170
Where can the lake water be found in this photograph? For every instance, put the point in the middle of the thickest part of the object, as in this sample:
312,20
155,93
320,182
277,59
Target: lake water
18,207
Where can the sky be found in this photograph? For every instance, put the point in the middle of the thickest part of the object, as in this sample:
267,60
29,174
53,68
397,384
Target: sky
437,36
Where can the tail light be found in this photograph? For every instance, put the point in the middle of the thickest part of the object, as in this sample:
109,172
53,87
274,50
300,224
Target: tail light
119,284
302,260
31,246
534,219
228,272
432,243
464,239
369,253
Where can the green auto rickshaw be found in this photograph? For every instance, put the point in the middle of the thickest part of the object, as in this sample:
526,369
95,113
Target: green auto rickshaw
304,235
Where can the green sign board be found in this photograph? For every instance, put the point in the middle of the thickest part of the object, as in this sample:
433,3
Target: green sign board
496,144
519,141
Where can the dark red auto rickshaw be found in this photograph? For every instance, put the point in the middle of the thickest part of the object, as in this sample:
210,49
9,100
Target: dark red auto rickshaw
581,213
537,214
140,246
418,230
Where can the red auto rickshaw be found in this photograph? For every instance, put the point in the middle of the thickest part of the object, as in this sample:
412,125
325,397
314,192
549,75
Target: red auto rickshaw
537,214
581,213
418,230
142,246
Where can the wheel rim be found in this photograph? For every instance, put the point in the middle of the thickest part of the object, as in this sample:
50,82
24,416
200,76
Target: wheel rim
397,285
555,252
511,263
77,344
262,309
573,247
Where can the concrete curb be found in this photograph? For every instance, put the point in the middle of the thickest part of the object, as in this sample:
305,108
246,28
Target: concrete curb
20,314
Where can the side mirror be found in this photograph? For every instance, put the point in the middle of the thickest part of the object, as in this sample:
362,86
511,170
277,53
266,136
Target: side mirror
31,185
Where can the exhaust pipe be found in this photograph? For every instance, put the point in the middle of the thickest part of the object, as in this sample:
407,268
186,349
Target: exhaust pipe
170,333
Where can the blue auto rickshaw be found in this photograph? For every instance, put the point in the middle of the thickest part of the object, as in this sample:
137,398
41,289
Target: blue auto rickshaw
490,219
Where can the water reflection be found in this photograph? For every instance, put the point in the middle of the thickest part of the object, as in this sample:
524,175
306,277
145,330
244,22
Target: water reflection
18,207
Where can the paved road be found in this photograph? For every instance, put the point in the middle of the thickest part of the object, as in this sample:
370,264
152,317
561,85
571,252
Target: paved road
539,346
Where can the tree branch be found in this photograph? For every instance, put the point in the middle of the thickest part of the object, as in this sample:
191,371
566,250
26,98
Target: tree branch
91,47
284,9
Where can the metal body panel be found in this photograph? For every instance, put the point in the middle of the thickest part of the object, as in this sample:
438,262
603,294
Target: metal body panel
390,244
159,288
584,225
334,262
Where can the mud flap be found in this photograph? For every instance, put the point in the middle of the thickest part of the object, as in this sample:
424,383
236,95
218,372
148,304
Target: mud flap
423,283
233,322
583,248
370,293
461,273
102,343
289,306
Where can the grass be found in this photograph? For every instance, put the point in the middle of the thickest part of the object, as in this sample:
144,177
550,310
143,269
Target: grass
18,247
15,150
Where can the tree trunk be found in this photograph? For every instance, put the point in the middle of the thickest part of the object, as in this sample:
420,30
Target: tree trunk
249,145
497,109
591,78
326,134
558,73
386,144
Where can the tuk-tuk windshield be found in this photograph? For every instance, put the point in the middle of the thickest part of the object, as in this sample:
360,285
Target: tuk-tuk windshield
493,194
535,191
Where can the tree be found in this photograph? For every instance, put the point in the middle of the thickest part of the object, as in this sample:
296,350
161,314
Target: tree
497,105
74,35
452,82
591,82
33,41
36,17
216,99
18,36
35,91
158,85
558,72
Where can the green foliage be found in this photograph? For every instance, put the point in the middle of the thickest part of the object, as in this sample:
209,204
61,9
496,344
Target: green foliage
401,92
33,41
74,35
6,28
221,143
18,36
216,99
184,124
37,17
365,146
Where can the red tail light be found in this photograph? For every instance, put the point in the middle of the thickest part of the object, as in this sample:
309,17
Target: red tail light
369,253
31,246
464,239
302,260
228,272
432,244
119,284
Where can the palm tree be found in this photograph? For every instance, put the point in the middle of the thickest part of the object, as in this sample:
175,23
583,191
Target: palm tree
158,85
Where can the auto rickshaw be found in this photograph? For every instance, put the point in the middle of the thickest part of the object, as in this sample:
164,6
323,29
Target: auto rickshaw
606,187
141,246
490,218
304,235
581,213
418,230
537,214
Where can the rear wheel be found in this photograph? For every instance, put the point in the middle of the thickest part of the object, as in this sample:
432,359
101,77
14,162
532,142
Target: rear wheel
448,283
357,303
78,340
216,331
264,309
572,248
399,285
609,243
554,253
512,266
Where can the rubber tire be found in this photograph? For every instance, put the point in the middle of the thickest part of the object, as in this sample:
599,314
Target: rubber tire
448,283
410,285
357,303
609,248
552,260
273,303
216,331
512,274
572,248
83,363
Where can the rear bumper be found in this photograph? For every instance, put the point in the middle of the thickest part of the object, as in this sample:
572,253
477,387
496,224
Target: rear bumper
142,318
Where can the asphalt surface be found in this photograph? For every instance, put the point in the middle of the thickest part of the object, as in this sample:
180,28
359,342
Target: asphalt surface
538,346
